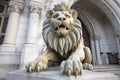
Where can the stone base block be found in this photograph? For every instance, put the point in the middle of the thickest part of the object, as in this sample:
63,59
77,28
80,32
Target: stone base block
29,53
7,48
56,75
9,58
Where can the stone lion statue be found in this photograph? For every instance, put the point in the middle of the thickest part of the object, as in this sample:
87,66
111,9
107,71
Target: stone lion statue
62,33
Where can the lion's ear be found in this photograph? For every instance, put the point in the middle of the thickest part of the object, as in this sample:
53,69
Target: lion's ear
74,13
49,13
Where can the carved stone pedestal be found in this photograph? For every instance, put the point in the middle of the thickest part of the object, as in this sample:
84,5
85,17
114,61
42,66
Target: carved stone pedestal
54,74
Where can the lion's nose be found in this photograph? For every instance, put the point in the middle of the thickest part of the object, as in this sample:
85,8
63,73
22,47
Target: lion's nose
61,18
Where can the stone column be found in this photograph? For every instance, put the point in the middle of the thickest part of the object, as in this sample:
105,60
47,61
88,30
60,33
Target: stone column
99,61
33,24
98,52
30,50
96,39
12,27
94,59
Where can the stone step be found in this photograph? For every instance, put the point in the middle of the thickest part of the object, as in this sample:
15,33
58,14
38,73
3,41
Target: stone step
9,58
108,68
5,68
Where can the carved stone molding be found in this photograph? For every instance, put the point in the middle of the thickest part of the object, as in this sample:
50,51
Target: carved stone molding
35,8
16,6
110,9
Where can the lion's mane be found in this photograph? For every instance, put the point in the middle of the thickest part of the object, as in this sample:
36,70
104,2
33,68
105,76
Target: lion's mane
62,45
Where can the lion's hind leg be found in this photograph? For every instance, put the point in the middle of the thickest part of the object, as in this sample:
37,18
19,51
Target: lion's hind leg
88,59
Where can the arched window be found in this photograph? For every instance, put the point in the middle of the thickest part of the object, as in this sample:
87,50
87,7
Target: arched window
4,15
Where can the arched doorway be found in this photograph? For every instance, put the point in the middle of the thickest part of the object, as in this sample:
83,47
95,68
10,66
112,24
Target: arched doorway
98,29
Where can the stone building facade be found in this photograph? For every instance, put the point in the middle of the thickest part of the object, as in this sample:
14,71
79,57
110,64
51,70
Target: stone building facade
21,27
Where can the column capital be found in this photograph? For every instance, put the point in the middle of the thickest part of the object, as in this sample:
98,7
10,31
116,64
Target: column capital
16,6
35,7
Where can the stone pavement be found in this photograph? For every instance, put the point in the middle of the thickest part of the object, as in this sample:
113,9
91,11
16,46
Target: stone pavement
55,74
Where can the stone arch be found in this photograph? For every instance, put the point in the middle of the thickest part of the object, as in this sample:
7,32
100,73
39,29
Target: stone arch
111,10
95,24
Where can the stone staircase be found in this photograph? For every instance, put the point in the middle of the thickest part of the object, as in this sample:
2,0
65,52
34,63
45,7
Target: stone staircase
108,68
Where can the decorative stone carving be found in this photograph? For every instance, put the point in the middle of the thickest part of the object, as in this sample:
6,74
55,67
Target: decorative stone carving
62,33
35,8
16,6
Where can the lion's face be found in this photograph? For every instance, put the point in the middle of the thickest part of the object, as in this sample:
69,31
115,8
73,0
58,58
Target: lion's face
62,22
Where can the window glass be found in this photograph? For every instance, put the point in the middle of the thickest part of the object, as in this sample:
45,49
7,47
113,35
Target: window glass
1,8
1,39
0,20
5,25
8,10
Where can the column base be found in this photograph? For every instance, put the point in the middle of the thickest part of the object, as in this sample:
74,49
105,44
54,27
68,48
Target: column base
104,58
8,48
29,53
54,74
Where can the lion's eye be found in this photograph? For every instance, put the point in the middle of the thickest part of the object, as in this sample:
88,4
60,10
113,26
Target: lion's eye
55,16
68,16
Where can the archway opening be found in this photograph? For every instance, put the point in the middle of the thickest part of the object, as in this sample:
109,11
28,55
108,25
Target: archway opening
86,36
98,31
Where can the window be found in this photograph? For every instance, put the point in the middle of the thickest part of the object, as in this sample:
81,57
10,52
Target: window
0,20
4,14
5,25
1,8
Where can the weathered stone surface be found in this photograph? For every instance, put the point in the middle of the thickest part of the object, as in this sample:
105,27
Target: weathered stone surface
55,74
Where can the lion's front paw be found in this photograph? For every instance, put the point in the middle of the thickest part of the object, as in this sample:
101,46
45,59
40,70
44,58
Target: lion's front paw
71,67
88,66
41,65
36,66
30,67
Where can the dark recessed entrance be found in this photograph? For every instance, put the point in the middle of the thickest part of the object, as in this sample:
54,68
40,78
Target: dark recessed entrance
86,36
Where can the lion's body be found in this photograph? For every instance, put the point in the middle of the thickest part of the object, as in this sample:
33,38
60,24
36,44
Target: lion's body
62,33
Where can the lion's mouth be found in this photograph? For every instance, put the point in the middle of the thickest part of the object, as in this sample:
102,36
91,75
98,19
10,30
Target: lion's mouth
62,27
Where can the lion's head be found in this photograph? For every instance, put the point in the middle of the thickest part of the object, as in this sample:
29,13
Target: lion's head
62,31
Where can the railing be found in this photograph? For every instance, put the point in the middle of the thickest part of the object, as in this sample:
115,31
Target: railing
113,58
